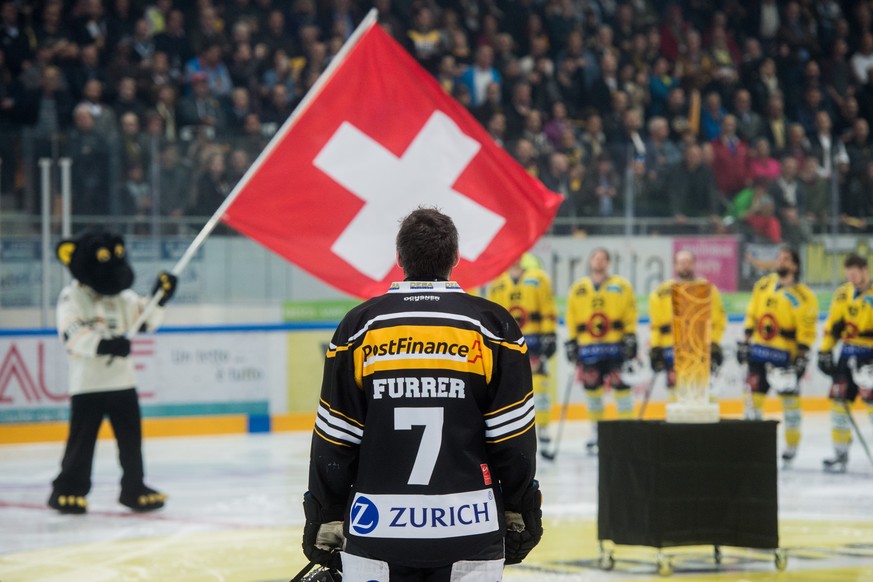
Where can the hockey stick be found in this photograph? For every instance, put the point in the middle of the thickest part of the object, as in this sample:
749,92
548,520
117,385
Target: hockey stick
302,573
858,431
550,455
647,395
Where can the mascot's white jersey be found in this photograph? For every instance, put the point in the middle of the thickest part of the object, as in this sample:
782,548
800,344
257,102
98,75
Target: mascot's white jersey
85,318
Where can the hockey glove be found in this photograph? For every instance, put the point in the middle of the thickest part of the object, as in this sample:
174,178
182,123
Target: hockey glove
166,281
659,362
571,348
524,528
716,359
743,352
629,346
115,346
549,345
838,390
826,363
322,542
800,363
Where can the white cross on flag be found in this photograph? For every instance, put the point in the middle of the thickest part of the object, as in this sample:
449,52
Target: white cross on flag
378,138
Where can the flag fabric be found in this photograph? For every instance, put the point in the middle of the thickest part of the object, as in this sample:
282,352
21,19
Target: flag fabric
379,139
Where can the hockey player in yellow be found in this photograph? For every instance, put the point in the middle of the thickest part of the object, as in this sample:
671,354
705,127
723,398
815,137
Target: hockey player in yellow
601,325
779,330
661,318
525,290
850,321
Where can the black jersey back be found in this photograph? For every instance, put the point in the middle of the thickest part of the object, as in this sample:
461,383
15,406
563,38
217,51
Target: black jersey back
425,425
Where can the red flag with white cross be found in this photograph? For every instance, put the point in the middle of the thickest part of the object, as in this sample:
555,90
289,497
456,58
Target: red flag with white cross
375,140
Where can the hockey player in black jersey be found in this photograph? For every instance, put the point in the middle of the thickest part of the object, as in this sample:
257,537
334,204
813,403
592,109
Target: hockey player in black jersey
424,449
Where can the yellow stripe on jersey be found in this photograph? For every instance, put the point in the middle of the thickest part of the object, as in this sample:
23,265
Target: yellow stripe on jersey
527,397
434,347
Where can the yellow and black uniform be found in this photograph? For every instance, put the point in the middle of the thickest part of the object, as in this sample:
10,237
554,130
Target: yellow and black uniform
601,325
850,321
779,330
530,300
661,318
425,429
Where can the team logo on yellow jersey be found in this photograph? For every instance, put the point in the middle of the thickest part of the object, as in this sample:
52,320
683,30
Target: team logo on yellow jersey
768,328
598,325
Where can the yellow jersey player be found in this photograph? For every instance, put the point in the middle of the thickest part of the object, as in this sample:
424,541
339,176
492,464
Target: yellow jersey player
850,321
661,317
525,290
601,325
779,330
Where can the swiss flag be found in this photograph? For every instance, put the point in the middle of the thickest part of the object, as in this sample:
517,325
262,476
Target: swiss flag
376,139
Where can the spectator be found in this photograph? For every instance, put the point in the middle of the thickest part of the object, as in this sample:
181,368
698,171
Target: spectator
275,35
15,38
862,60
830,152
496,128
776,124
712,116
859,149
89,151
519,107
592,139
856,206
480,74
556,177
135,149
753,213
50,108
750,124
818,202
200,108
766,85
533,133
427,44
606,85
789,197
601,188
238,163
277,109
281,73
492,104
173,182
661,155
137,199
661,82
209,64
797,145
692,189
211,189
526,155
105,122
127,100
165,107
761,163
730,162
174,42
142,44
812,103
87,69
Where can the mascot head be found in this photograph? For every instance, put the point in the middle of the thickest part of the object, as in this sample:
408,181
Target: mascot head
98,259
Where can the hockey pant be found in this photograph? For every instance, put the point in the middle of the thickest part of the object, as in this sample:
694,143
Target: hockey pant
86,416
360,569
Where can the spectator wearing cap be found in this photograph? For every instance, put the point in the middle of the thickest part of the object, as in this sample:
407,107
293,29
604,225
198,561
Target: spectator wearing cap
209,64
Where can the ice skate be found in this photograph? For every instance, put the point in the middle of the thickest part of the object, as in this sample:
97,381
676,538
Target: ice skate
70,504
591,447
142,499
837,463
788,456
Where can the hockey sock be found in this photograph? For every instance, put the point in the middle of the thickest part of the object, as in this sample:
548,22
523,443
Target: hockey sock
671,394
791,411
624,404
841,429
758,405
595,404
542,401
870,410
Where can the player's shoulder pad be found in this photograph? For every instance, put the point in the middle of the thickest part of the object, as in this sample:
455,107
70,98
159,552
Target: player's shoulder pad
765,281
617,284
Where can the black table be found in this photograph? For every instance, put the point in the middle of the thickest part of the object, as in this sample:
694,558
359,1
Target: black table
670,484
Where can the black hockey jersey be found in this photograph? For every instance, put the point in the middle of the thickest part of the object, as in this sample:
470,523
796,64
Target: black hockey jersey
425,428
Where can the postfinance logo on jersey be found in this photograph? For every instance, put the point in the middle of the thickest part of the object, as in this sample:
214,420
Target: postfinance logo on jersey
423,516
423,347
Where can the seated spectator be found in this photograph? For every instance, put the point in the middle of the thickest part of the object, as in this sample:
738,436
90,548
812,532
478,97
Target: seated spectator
761,163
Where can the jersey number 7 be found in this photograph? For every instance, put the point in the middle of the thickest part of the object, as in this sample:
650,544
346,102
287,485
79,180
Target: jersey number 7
431,439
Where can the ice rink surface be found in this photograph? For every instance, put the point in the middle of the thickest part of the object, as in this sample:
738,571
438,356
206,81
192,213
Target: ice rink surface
234,514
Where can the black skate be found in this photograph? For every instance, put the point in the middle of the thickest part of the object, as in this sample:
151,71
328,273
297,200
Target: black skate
143,499
70,504
591,447
837,464
788,456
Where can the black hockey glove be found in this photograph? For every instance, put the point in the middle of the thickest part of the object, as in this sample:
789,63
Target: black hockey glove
167,282
659,362
826,363
571,348
743,352
115,346
322,542
549,344
524,527
629,346
716,359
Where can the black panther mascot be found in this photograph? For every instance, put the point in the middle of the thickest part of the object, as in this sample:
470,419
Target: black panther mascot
95,312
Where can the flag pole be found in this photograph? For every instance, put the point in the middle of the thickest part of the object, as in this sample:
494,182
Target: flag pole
368,21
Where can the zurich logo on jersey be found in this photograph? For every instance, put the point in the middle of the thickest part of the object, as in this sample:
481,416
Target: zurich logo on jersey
364,516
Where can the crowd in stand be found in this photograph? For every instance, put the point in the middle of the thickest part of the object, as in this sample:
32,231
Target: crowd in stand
728,116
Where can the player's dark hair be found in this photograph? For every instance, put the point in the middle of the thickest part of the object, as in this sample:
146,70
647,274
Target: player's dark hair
795,258
855,260
427,245
601,250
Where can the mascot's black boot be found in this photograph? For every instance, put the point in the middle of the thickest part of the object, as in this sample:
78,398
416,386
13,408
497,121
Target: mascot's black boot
74,504
142,499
